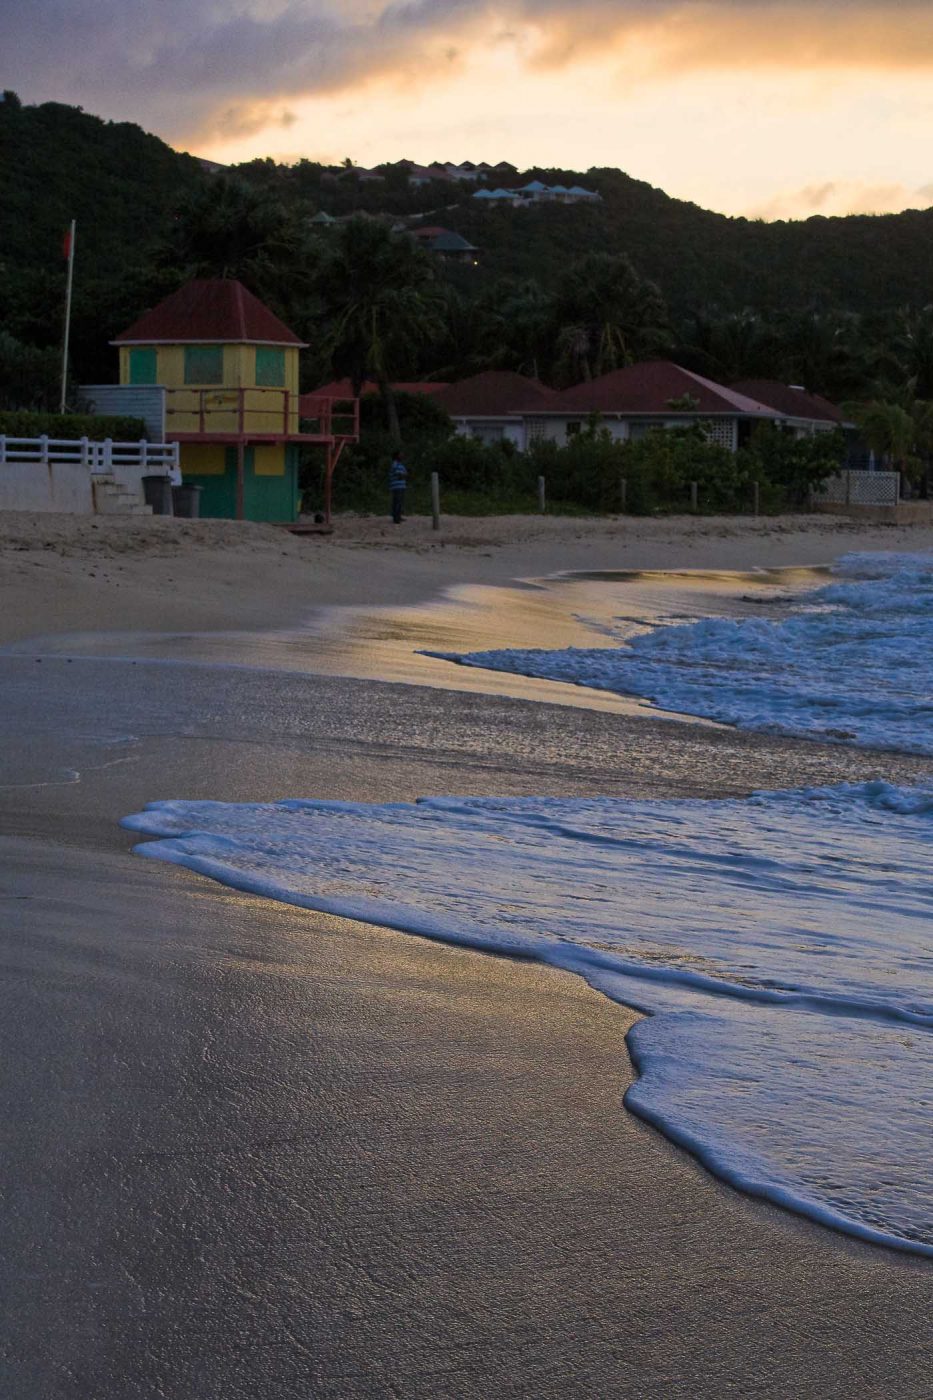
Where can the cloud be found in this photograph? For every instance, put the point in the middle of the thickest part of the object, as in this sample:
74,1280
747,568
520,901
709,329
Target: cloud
192,68
839,197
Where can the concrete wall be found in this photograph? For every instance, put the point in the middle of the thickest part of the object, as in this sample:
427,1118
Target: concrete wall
60,486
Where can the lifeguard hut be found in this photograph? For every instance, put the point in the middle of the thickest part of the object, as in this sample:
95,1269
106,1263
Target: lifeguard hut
229,368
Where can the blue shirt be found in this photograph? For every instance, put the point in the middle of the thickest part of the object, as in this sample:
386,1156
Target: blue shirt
398,475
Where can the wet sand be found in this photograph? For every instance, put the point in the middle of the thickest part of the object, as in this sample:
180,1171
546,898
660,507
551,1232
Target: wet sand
253,1152
256,1152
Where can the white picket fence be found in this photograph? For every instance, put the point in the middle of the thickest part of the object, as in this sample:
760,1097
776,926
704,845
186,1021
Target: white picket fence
100,458
860,489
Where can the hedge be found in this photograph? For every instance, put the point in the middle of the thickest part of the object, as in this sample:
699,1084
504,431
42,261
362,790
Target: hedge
29,424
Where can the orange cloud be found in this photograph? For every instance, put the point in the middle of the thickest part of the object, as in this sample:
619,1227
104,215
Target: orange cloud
839,197
689,36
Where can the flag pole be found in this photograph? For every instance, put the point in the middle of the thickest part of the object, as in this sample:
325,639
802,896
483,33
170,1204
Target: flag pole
71,263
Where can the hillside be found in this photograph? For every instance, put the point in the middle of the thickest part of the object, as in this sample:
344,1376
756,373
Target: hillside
129,192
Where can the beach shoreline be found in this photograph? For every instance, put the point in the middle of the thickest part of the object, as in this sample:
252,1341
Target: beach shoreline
257,1152
61,574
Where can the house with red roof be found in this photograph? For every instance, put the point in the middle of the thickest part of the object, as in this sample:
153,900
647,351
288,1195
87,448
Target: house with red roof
229,369
628,403
803,412
341,391
492,406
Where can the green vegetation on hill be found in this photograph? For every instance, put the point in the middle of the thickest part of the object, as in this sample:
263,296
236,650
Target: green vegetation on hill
840,305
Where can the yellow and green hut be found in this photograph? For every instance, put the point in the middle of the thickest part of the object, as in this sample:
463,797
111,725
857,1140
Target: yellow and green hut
229,368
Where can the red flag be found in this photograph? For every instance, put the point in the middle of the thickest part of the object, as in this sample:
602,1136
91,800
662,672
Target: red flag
66,246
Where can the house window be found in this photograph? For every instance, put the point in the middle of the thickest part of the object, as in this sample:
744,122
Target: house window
722,432
270,368
573,429
143,366
204,364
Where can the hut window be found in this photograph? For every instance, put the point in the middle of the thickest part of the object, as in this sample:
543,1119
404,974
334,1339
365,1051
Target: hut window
270,367
142,366
204,364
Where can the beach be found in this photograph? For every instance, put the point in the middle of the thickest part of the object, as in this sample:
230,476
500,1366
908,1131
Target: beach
258,1151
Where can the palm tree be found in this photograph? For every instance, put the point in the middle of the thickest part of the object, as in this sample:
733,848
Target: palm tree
381,303
608,315
731,346
889,431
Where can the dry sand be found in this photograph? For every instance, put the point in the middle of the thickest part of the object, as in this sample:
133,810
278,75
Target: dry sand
252,1153
67,573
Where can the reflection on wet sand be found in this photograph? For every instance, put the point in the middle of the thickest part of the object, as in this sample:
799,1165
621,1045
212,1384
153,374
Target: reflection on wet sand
388,644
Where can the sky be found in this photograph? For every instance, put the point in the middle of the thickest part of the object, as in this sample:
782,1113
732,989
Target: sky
756,107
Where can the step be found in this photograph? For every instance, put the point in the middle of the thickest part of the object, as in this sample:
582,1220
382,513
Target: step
111,499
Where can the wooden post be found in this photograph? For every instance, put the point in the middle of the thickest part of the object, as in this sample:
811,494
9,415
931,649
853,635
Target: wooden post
435,501
848,488
694,495
85,454
44,449
542,499
623,493
328,479
756,497
240,478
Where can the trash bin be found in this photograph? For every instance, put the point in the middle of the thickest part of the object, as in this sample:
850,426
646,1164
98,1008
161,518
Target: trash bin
187,501
158,493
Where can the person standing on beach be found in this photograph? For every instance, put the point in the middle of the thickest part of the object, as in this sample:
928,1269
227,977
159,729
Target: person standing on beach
398,480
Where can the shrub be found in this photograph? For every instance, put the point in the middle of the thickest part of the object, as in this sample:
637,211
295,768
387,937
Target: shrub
794,465
26,423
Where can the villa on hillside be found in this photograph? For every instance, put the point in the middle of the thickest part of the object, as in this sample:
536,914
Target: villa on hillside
501,406
536,193
226,370
446,245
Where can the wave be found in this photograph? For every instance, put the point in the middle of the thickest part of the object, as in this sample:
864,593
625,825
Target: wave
780,947
853,663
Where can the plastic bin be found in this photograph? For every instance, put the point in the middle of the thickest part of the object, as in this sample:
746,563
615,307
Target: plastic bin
187,501
157,491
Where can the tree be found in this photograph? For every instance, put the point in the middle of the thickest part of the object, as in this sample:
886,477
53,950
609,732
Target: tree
608,316
729,346
381,303
234,229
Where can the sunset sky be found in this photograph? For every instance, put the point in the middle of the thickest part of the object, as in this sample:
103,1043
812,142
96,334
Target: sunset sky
747,106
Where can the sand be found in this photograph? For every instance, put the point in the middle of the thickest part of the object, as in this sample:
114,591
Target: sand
252,1152
66,573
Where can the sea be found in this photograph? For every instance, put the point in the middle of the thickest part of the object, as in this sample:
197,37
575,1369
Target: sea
779,945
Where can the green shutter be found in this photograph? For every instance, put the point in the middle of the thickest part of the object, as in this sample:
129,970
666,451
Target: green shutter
270,368
143,366
204,364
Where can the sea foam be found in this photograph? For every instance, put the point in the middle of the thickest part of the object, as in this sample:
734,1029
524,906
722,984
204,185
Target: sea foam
780,946
852,663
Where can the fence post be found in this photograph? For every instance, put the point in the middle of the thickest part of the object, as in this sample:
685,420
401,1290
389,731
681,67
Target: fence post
85,455
623,493
542,499
108,455
756,497
2,449
143,454
44,449
694,495
848,488
435,501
